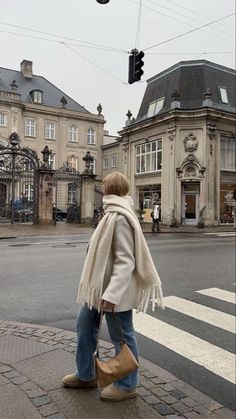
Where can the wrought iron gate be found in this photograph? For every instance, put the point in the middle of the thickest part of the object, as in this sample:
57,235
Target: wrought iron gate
18,182
67,194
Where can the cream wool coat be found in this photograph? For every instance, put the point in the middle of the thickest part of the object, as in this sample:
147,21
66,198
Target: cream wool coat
118,265
120,286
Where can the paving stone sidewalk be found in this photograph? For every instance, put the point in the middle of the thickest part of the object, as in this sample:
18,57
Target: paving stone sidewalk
33,360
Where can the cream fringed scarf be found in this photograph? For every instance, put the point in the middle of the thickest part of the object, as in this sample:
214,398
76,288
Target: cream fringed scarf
91,283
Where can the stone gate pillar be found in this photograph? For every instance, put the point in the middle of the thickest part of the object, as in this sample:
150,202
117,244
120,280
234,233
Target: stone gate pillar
87,197
46,181
45,196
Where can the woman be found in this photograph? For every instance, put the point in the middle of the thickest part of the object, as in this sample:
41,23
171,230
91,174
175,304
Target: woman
118,274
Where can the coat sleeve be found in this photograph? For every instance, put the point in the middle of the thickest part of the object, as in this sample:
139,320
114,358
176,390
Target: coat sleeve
124,261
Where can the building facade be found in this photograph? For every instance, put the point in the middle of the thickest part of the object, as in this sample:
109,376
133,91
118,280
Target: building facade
41,114
181,148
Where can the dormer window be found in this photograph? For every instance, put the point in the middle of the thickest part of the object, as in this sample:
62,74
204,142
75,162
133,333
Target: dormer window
37,96
223,95
155,107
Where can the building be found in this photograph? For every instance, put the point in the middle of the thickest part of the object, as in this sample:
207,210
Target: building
181,148
41,114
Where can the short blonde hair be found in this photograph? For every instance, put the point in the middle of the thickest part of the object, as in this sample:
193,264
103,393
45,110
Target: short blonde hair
115,184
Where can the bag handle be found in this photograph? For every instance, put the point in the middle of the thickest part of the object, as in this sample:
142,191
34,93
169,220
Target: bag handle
100,329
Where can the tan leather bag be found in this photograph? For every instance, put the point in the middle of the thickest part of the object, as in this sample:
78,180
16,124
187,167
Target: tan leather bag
119,366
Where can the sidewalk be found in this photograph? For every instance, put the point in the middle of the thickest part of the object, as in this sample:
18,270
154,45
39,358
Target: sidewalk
34,359
25,229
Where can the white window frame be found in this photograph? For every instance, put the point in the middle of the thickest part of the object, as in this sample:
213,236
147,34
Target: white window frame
228,154
52,161
30,127
105,163
91,137
223,95
72,134
72,193
149,157
50,130
3,119
93,166
113,161
73,162
37,96
156,106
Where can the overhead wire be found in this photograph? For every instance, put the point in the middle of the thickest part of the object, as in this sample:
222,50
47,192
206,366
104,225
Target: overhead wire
188,32
138,25
188,17
181,21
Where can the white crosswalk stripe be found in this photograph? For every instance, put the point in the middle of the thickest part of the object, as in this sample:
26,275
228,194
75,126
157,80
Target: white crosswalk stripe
213,358
209,315
227,296
223,234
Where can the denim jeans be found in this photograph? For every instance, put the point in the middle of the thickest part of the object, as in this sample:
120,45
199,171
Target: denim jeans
87,331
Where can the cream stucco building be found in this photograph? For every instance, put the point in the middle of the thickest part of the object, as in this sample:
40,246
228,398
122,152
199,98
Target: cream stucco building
180,150
41,114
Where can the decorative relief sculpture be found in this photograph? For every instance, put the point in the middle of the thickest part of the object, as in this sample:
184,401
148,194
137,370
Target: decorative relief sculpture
211,132
190,143
171,132
191,168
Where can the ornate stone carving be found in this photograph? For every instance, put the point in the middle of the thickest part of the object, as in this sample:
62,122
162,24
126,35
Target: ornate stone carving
211,132
190,168
171,132
190,143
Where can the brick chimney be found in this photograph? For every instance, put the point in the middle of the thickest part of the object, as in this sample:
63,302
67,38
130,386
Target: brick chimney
27,69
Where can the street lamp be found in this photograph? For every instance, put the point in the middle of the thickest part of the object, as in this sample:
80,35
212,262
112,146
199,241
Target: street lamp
103,1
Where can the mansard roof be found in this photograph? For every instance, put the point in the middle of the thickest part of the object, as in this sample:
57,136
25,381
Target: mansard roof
51,94
191,80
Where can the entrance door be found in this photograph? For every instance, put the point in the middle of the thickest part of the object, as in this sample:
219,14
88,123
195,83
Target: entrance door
190,203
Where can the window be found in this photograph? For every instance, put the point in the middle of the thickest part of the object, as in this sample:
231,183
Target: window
93,166
114,160
3,119
149,157
50,130
72,161
105,163
223,95
37,96
51,161
72,193
155,107
28,192
30,127
91,136
73,134
228,153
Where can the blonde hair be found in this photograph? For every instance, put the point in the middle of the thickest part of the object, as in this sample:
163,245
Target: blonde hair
115,184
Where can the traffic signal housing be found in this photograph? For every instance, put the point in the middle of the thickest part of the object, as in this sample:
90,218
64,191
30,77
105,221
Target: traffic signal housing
135,66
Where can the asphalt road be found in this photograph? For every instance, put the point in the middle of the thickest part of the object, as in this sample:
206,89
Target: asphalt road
39,278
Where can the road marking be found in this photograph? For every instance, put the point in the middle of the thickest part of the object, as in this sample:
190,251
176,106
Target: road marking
229,297
214,359
209,315
223,234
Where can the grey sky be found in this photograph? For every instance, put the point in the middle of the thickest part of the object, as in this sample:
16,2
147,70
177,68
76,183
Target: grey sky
113,25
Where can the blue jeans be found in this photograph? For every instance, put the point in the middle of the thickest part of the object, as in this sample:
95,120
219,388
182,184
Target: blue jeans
87,331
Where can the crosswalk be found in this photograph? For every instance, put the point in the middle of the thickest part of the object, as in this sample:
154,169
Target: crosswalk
203,353
222,234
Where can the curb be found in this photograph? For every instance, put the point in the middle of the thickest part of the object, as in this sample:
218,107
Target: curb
160,390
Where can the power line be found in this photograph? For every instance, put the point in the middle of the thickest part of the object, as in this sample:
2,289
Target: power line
92,63
138,25
64,37
181,21
192,11
188,17
188,32
191,53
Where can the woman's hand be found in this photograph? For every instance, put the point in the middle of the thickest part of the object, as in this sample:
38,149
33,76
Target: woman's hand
106,305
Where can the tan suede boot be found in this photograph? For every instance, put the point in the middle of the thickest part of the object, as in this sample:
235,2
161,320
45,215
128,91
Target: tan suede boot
115,394
72,381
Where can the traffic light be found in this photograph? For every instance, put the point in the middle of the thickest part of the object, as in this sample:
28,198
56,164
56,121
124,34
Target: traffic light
103,1
135,66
